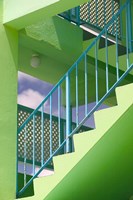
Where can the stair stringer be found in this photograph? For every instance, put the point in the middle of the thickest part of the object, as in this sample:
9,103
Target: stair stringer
83,143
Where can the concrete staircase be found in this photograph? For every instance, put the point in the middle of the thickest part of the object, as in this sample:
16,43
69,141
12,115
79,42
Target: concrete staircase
84,143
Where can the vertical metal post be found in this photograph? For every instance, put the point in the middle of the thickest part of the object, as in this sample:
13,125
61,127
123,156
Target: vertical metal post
121,24
68,118
96,69
17,168
117,56
113,26
59,115
42,130
86,86
106,53
96,7
131,23
62,131
130,26
50,125
64,134
77,103
25,153
127,37
71,147
104,6
33,145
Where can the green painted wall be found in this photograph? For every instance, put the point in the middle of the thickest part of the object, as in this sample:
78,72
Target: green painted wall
124,22
26,14
33,11
59,33
51,38
59,44
106,170
30,190
8,110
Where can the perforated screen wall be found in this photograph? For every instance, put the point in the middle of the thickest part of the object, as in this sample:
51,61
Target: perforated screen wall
98,13
23,114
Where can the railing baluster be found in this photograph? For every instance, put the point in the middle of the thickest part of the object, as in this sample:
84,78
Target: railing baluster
96,8
121,26
113,25
106,53
17,180
127,38
50,125
64,134
25,154
91,13
130,31
33,145
96,69
59,114
42,130
104,7
68,118
77,103
117,54
66,142
86,86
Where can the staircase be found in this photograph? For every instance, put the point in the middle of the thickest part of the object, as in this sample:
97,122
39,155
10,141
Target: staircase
83,83
85,142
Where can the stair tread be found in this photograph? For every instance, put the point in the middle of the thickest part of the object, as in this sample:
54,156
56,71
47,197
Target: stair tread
125,92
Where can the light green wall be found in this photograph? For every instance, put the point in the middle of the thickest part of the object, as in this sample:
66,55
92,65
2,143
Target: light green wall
29,12
59,44
59,33
8,110
59,47
123,18
106,171
50,70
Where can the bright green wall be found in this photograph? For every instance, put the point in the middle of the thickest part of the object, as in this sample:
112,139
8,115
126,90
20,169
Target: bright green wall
106,171
8,110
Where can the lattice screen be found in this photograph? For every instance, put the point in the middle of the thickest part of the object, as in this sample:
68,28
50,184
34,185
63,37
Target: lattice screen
23,114
98,13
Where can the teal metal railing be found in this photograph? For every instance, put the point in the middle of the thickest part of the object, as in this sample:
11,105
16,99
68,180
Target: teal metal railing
80,74
27,153
95,14
23,113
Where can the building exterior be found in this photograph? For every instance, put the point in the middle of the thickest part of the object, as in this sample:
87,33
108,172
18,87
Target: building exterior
87,47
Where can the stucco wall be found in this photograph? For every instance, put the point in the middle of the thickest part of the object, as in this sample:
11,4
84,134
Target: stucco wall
8,110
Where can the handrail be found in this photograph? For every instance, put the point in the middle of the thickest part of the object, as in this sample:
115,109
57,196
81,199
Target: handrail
24,111
73,66
80,66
